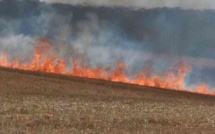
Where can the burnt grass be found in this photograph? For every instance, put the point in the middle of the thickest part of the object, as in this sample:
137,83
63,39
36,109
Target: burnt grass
33,102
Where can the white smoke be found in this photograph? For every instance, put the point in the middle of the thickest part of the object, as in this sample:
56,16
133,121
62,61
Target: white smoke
18,47
147,4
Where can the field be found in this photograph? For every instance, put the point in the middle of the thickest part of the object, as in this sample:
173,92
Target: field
47,103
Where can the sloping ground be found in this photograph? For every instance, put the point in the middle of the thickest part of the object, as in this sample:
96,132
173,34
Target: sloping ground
47,103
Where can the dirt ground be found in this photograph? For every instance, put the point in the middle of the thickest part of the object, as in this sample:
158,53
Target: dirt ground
47,103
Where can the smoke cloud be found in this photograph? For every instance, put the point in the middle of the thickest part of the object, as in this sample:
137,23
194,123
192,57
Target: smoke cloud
101,36
18,47
147,4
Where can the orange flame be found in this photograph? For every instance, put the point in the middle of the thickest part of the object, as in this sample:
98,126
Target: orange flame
44,61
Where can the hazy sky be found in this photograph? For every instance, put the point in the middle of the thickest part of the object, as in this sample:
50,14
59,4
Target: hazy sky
185,4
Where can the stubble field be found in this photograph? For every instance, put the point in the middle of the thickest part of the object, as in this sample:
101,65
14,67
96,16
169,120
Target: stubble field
47,103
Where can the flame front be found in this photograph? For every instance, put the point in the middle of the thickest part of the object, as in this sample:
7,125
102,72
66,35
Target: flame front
45,62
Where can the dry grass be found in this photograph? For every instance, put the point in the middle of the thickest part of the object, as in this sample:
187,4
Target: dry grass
47,103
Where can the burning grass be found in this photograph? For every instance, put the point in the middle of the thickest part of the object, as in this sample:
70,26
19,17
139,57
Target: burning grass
47,103
47,60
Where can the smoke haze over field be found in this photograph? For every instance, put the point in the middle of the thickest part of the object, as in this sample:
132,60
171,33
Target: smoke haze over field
151,36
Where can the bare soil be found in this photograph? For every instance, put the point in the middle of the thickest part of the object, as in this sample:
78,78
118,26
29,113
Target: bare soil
33,102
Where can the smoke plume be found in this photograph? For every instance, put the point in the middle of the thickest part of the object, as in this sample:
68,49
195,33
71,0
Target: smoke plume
150,37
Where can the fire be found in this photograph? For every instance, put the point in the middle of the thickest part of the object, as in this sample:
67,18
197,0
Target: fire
168,79
45,61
